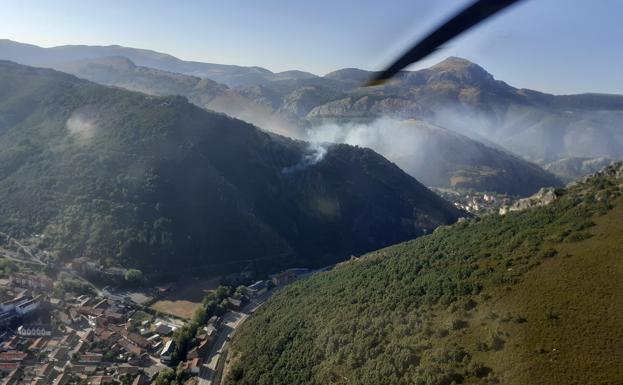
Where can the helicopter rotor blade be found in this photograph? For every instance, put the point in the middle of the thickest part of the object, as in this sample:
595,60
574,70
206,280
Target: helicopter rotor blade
464,20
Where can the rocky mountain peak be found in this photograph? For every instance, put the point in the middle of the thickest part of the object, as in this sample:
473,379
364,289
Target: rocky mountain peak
459,69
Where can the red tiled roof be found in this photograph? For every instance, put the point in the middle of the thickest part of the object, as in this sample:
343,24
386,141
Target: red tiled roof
12,356
8,366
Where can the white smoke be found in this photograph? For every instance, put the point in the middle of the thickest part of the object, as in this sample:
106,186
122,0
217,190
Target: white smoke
392,138
316,153
81,126
389,137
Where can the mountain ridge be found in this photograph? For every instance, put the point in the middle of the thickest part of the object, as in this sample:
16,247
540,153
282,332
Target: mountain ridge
456,94
128,178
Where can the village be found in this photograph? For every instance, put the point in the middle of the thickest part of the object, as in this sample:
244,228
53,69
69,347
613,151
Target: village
475,202
49,337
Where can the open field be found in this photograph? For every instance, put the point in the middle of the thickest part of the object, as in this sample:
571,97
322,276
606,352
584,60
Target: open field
185,296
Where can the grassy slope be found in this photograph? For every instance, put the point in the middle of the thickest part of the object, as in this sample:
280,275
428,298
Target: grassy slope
485,301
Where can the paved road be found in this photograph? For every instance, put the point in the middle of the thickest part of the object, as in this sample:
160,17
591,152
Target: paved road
215,359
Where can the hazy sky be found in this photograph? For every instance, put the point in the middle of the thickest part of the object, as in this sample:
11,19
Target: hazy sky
560,46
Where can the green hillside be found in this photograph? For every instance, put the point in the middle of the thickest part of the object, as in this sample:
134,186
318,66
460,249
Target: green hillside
121,176
532,297
436,157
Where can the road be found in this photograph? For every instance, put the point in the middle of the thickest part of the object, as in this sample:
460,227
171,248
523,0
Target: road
13,255
8,254
212,369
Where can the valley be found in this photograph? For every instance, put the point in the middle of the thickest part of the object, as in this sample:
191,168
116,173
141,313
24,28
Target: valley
175,222
473,130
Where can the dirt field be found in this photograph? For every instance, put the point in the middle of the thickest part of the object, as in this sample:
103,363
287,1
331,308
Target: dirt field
185,296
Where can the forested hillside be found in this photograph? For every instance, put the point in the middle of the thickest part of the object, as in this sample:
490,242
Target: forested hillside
434,155
531,297
121,176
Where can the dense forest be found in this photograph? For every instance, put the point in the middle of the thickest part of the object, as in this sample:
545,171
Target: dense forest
124,177
531,297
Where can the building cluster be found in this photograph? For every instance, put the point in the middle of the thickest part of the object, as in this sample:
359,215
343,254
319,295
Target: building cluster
84,338
93,339
288,276
475,202
85,266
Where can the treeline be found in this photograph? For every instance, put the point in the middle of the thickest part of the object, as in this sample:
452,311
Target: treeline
213,304
399,315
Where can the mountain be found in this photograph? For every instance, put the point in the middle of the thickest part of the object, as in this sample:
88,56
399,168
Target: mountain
443,158
231,75
462,96
455,94
117,175
573,169
435,156
121,72
530,297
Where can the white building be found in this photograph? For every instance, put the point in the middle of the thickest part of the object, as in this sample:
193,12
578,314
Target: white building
34,331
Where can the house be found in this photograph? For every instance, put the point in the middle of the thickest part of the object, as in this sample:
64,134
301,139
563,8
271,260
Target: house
214,320
13,356
154,339
258,288
38,344
113,316
61,379
141,360
70,339
19,306
127,369
199,350
101,304
13,377
79,264
34,330
164,288
78,348
60,355
8,367
90,358
210,331
192,366
10,304
36,381
87,336
27,306
130,347
114,272
234,303
31,281
100,380
163,329
283,278
140,380
89,311
138,340
83,300
167,351
81,369
46,371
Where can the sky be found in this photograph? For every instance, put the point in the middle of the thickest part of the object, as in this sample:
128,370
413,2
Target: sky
557,46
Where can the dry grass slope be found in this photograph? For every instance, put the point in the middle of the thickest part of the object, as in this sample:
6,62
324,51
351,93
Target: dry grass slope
562,323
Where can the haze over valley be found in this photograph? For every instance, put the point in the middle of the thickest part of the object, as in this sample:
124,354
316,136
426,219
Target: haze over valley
495,133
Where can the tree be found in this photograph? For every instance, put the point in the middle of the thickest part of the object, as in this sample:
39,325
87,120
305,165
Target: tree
165,376
133,276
